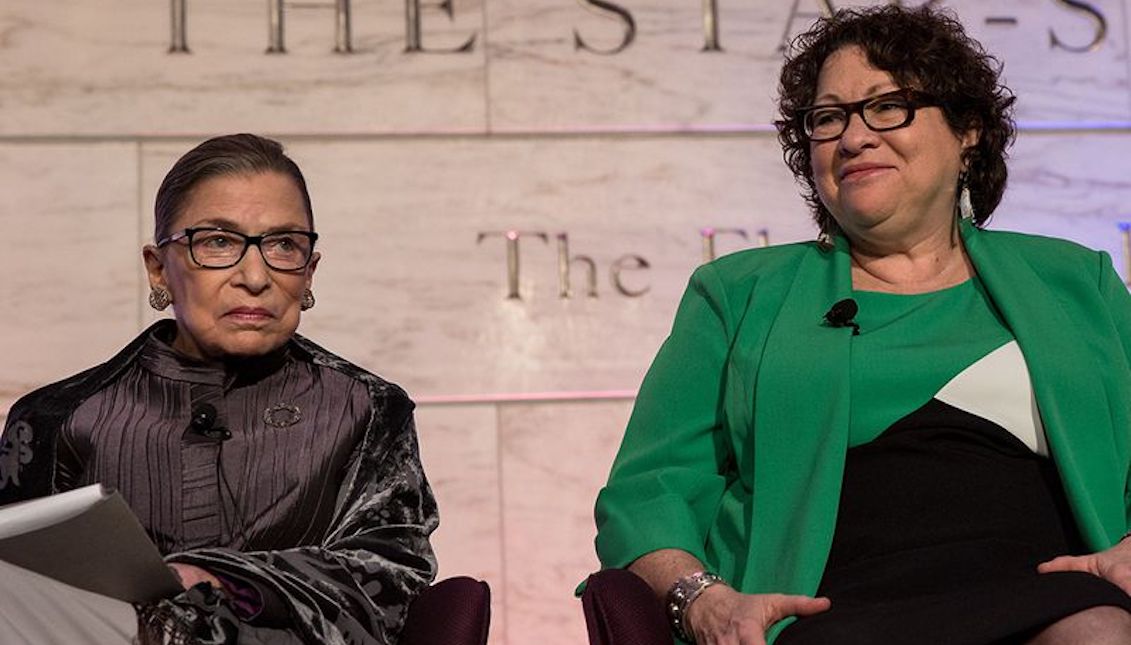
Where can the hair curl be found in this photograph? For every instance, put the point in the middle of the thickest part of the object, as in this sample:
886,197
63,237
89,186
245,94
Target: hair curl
232,154
922,48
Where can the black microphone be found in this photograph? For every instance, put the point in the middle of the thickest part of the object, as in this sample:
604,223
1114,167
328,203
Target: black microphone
203,423
841,314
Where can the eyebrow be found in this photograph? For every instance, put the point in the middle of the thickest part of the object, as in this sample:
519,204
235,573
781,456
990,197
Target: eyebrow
875,90
232,225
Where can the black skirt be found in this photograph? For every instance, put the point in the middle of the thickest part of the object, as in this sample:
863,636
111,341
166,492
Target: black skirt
943,520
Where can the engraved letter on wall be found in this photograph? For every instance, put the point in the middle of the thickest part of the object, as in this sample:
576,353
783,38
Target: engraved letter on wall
276,35
565,262
626,263
275,40
625,16
414,40
178,43
708,234
826,9
343,30
1091,12
512,237
711,26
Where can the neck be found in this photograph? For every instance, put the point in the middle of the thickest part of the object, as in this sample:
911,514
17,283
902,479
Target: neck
936,261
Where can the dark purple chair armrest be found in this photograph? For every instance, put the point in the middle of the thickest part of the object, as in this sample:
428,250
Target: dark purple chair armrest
455,611
620,609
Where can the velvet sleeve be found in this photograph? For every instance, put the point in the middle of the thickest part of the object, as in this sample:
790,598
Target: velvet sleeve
356,585
29,443
672,467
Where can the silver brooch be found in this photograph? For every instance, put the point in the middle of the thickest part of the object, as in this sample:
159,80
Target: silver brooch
282,415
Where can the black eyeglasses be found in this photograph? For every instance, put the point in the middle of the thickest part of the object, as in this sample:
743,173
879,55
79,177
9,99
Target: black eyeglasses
888,111
219,248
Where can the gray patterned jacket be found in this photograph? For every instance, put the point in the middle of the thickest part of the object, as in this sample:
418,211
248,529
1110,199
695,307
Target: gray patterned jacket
354,586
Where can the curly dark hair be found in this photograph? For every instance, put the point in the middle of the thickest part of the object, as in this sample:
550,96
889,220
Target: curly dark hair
231,154
922,48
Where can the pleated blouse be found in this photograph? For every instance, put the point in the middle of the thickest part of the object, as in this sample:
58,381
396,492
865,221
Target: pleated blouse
272,485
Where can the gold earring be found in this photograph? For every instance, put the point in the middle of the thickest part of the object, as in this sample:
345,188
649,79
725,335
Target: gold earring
160,298
307,301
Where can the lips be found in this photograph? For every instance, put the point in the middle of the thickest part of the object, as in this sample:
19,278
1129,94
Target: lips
250,313
861,171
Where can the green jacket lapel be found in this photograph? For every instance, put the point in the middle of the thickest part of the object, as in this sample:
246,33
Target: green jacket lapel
1067,380
800,430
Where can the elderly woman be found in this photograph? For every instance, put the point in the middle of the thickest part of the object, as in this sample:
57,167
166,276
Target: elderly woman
912,430
282,481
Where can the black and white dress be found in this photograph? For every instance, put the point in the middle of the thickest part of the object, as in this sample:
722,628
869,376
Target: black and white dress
950,498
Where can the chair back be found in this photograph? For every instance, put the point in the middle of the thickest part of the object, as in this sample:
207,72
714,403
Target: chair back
620,609
454,611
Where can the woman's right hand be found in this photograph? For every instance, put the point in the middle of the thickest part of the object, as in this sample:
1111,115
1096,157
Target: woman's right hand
190,575
723,616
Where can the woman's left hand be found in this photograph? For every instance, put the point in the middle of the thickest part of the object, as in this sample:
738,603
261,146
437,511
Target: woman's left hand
1113,565
191,575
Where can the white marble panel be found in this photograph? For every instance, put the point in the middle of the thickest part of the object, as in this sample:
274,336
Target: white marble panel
460,452
1077,187
69,214
539,80
102,67
405,289
555,458
1057,84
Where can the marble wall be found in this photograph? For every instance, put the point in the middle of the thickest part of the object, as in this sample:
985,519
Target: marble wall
419,161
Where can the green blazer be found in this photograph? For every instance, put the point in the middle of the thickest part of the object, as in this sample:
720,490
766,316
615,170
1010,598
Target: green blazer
735,449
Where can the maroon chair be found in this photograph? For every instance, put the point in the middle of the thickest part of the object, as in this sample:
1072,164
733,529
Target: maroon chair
620,609
454,611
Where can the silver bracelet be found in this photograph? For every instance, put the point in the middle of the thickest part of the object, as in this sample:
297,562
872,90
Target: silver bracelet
682,594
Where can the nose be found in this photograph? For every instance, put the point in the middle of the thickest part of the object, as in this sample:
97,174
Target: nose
857,136
252,272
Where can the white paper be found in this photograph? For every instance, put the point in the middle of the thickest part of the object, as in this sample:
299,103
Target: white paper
32,515
87,538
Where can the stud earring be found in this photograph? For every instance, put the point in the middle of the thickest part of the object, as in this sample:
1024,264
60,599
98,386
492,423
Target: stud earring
160,298
307,301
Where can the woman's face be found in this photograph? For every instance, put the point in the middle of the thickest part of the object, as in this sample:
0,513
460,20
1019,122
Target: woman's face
894,185
249,309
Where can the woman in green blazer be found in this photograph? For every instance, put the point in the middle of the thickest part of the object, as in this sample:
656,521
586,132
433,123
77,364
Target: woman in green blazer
942,456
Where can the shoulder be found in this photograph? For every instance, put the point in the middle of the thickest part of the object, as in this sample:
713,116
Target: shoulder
1043,247
59,398
1048,254
744,266
28,445
383,393
53,396
1029,242
733,278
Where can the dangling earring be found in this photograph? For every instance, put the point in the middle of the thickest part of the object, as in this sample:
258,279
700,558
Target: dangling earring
965,205
160,298
825,228
307,301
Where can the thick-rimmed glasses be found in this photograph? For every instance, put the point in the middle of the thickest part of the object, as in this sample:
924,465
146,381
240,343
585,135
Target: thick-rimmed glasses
888,111
219,248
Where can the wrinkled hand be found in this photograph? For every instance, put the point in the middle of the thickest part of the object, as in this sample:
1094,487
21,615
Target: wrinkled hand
723,616
1113,565
191,575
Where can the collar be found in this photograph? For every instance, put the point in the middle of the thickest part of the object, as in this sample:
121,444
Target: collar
159,357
